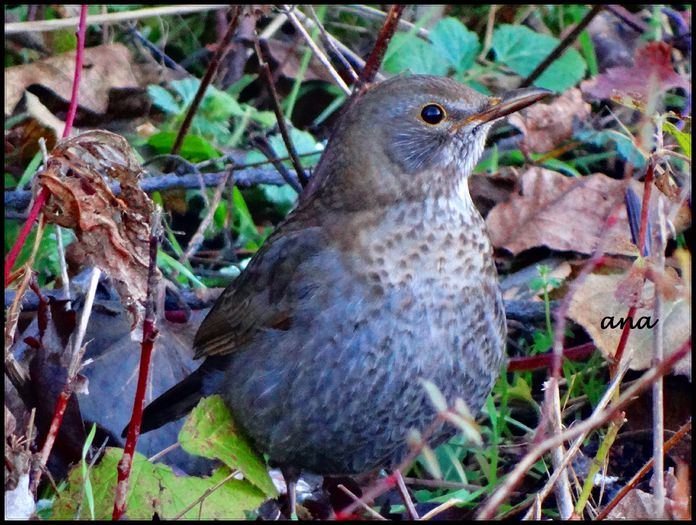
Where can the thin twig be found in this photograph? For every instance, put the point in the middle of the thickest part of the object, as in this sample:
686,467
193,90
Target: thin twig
589,424
440,509
562,45
315,48
329,43
354,57
573,449
262,144
206,80
280,118
147,346
374,61
628,18
110,18
405,496
198,237
361,503
159,455
657,390
205,494
683,431
376,14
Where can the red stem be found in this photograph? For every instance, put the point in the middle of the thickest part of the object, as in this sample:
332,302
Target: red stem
24,233
526,363
368,73
147,345
72,110
642,234
81,32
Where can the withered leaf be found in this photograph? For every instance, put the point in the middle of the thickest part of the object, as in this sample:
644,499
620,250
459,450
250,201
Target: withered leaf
563,213
112,232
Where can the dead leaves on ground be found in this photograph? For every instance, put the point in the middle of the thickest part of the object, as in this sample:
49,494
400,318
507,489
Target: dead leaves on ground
564,214
595,302
112,232
105,68
545,126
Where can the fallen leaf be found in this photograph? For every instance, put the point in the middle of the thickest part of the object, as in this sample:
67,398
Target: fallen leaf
104,68
563,213
653,71
595,302
545,126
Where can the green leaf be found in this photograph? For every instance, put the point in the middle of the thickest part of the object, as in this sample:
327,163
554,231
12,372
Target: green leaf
193,149
154,488
624,145
282,197
682,138
163,99
455,43
408,53
522,50
210,432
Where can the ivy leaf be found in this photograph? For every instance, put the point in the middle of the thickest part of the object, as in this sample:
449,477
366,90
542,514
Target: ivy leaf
522,50
455,43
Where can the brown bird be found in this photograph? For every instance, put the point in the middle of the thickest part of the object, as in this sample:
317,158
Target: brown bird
381,277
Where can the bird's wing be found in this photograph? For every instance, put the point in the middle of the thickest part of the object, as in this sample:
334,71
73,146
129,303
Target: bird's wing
258,298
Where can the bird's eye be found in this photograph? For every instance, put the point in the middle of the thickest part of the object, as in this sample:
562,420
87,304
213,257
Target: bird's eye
433,114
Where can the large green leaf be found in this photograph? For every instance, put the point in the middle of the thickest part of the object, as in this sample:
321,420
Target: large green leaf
154,488
455,43
210,432
522,50
408,53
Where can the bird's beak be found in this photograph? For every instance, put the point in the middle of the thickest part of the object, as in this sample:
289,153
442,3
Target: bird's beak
509,103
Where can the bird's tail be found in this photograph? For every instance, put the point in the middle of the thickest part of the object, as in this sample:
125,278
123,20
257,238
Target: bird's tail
174,404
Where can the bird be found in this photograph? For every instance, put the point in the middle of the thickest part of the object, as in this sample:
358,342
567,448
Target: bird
381,278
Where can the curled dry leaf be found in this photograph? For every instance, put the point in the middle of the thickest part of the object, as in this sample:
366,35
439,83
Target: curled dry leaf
596,308
112,232
563,213
545,126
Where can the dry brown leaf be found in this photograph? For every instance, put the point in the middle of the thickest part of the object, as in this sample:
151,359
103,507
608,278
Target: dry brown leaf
595,301
545,126
563,213
104,68
289,55
112,232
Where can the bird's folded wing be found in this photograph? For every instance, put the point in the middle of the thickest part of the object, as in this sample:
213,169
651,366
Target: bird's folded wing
258,299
